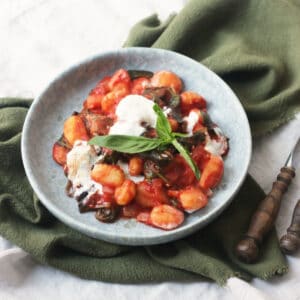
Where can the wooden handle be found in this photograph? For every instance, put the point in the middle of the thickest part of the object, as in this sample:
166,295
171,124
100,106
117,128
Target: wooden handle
263,219
290,242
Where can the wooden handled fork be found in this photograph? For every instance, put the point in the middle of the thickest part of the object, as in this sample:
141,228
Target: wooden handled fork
264,217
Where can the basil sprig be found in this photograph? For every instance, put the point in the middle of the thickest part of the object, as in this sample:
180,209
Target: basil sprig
138,144
126,143
164,131
163,127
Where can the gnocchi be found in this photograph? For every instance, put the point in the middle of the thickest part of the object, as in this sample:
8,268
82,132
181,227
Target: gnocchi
158,186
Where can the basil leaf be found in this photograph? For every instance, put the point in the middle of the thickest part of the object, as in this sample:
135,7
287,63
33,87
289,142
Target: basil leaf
179,134
153,170
185,154
139,73
174,101
163,127
159,156
126,143
175,113
207,120
62,142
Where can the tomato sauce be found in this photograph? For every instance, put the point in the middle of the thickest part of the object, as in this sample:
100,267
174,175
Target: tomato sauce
158,186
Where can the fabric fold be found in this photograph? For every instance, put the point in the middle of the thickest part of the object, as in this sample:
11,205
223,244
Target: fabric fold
251,44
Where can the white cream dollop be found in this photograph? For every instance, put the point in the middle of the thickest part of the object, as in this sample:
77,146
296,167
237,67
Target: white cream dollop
191,121
216,147
79,162
131,112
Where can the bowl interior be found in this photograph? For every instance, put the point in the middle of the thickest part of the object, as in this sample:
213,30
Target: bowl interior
66,93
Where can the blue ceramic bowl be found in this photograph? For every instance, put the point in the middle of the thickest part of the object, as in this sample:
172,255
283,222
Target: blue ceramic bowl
66,93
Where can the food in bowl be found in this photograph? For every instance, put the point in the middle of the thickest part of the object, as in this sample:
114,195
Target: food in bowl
142,148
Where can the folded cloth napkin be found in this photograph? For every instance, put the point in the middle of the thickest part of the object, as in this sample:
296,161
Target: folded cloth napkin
253,46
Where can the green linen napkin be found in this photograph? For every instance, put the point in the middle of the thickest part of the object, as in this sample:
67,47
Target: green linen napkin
253,46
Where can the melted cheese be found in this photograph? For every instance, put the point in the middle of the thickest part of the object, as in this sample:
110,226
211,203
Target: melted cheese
216,146
191,121
79,162
131,112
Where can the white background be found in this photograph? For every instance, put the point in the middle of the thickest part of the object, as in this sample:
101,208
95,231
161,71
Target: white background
38,40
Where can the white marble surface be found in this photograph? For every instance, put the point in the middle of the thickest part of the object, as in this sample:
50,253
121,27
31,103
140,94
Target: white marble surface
39,39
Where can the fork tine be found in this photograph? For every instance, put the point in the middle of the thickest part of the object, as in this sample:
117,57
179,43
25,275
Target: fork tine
289,161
